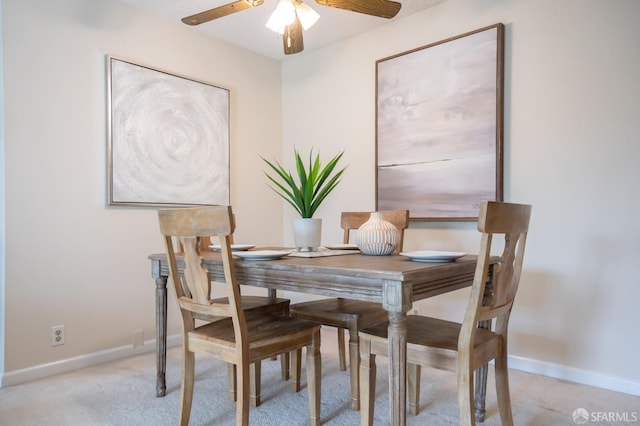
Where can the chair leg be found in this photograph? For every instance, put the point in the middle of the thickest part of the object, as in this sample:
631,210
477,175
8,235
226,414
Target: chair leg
414,388
367,383
233,384
242,405
284,365
502,389
480,393
465,392
314,374
341,349
186,395
296,365
354,366
254,373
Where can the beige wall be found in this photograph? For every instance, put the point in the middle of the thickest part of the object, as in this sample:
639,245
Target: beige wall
89,270
571,149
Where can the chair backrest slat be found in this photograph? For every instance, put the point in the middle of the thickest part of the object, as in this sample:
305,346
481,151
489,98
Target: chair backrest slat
189,226
351,221
511,221
195,276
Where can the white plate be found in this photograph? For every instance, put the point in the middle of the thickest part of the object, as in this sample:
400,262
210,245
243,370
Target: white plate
433,256
234,247
342,247
260,254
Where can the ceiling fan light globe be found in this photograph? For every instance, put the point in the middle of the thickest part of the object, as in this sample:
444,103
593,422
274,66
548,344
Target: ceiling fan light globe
284,14
307,15
276,27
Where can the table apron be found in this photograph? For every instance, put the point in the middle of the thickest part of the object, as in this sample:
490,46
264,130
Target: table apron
349,287
394,296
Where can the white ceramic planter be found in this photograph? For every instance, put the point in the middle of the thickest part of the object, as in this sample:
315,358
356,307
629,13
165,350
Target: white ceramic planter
307,233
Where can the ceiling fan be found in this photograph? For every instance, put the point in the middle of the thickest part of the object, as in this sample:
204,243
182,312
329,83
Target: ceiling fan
292,16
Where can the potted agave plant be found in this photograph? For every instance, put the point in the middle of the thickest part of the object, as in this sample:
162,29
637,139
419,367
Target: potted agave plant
305,192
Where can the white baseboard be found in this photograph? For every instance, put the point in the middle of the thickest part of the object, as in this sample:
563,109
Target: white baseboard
575,375
82,361
543,368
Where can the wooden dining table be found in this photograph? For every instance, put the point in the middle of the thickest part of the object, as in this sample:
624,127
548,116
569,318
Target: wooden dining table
393,281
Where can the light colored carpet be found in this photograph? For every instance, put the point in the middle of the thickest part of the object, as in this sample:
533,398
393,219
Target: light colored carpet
122,393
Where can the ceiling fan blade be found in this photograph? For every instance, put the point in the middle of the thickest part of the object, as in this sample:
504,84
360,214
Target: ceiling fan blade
292,38
381,8
219,12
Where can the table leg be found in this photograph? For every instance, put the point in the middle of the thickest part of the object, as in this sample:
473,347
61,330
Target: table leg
398,367
161,335
271,294
396,300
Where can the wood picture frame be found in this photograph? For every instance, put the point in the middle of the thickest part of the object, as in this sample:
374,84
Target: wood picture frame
439,127
168,138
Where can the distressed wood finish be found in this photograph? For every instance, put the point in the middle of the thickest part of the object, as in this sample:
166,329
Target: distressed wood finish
382,8
235,335
221,11
431,341
351,315
161,338
392,281
270,304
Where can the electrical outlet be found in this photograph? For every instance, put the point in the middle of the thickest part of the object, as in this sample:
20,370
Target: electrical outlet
57,335
138,338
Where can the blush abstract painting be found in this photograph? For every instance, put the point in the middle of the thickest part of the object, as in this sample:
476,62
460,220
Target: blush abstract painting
439,124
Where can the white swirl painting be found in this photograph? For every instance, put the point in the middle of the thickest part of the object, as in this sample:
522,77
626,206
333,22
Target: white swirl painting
169,138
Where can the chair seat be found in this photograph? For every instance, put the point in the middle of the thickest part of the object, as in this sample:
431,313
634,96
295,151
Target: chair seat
266,334
341,313
432,332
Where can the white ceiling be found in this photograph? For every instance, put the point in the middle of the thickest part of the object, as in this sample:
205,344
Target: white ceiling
246,28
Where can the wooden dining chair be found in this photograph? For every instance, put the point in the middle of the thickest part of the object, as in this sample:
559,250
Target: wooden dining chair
430,341
243,337
346,314
278,306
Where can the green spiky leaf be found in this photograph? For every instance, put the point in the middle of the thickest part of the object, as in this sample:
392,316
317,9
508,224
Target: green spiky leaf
314,182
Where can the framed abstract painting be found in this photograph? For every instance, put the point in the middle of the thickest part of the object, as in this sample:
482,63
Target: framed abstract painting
168,138
439,127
